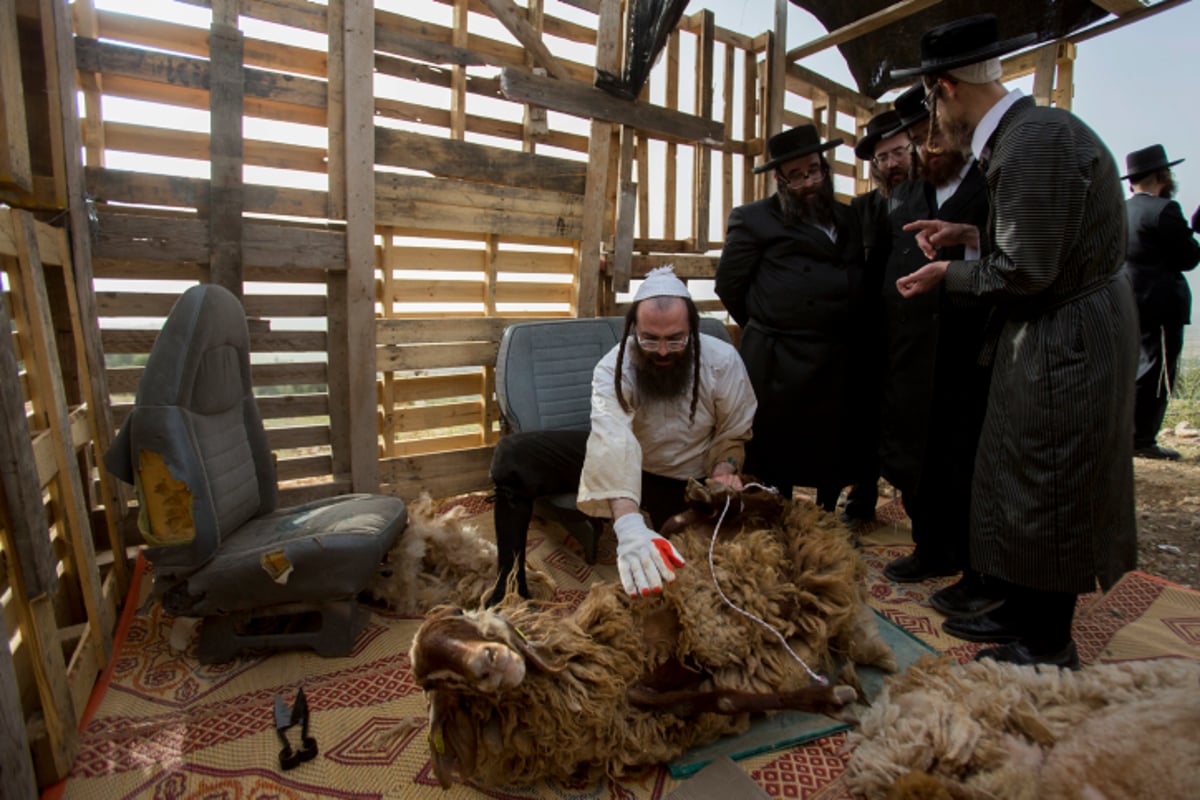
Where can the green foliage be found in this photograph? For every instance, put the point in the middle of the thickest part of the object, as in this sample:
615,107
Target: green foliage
1185,401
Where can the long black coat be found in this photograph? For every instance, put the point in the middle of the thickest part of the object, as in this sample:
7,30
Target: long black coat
799,298
1052,506
933,384
1159,250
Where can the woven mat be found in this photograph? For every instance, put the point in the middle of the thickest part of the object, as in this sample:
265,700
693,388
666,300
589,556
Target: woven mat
160,725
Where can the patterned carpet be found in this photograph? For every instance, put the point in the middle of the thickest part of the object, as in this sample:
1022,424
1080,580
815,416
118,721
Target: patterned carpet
160,725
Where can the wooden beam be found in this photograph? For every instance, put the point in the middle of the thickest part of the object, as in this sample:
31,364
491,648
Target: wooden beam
871,22
511,18
1120,7
1046,61
452,158
1123,20
702,161
586,101
226,191
15,763
16,172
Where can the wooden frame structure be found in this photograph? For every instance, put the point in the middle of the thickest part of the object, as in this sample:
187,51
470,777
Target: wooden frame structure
386,188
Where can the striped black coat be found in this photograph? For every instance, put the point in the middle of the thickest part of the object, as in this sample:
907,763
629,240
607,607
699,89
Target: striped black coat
1052,500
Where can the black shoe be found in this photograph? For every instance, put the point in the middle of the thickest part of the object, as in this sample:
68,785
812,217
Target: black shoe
1019,653
981,628
1157,452
913,568
966,598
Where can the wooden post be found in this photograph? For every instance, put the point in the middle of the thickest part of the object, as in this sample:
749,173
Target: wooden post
337,366
358,157
702,182
16,172
1045,57
622,257
672,101
458,74
1064,88
776,74
92,84
15,764
749,119
587,281
727,118
226,99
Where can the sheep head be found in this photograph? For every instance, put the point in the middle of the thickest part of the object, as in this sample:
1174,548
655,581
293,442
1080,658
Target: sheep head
476,650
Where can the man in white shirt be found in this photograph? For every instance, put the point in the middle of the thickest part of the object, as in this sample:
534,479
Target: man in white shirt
682,409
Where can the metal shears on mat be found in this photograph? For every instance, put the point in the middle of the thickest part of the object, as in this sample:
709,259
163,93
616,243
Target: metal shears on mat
286,718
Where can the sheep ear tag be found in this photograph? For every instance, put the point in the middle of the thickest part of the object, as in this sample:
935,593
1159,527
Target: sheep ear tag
287,718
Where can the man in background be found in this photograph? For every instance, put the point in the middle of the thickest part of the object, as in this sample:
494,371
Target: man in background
1158,250
934,388
791,274
1052,496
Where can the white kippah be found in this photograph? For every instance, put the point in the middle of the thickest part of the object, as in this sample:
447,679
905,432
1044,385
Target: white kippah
984,71
661,282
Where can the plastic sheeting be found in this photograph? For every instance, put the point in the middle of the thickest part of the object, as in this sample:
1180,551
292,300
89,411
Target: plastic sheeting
650,23
897,45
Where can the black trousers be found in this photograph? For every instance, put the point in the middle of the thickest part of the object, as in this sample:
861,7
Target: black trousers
526,466
1160,348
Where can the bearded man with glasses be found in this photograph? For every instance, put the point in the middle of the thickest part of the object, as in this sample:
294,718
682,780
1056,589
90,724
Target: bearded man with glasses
791,274
668,403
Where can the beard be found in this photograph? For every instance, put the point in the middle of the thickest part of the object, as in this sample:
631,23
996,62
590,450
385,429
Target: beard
809,206
657,382
886,181
941,168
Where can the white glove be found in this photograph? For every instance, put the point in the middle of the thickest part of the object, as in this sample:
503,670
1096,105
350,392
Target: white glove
644,558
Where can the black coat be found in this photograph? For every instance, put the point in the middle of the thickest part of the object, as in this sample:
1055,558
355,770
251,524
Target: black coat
934,389
1158,250
799,296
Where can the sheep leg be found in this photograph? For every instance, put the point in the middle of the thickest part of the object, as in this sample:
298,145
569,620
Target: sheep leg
817,699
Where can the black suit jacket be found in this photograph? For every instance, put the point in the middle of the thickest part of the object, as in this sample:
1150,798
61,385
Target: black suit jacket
1159,249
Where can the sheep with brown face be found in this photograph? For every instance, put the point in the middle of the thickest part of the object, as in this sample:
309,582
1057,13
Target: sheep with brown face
528,691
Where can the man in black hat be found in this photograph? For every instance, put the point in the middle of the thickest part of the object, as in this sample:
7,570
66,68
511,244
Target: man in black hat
891,164
934,389
1052,496
791,275
1159,249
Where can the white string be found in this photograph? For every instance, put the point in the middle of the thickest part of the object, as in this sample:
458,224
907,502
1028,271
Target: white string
1164,375
713,571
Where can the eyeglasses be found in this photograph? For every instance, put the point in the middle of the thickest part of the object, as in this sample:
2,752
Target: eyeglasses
672,344
896,154
813,175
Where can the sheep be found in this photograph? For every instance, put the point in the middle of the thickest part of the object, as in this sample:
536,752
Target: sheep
995,730
528,691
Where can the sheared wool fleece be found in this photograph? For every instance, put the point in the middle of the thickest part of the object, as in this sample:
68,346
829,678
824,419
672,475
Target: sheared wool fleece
993,730
441,559
802,577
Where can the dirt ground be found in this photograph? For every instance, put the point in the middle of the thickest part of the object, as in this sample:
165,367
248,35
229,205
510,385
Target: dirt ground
1168,509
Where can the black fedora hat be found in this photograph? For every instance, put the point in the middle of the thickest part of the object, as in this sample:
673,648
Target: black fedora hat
877,128
1147,161
799,141
962,42
910,108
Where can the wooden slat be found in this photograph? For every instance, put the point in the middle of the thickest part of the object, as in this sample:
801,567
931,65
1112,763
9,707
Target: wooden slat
451,158
442,475
193,73
294,437
584,100
398,189
436,217
427,291
169,190
411,331
307,491
294,405
15,765
435,387
436,356
289,469
434,444
44,459
118,340
702,164
442,415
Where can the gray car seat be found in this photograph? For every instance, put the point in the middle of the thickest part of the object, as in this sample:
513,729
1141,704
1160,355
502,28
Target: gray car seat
544,382
195,449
